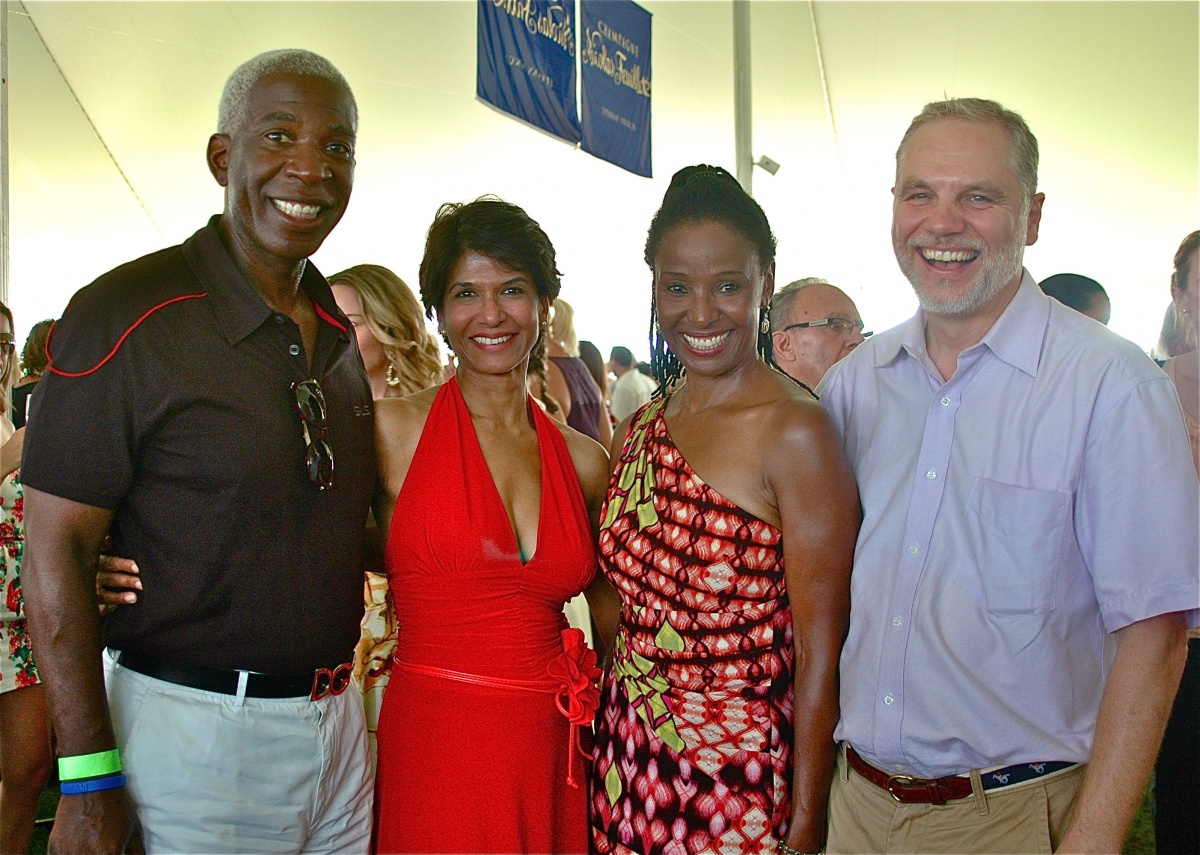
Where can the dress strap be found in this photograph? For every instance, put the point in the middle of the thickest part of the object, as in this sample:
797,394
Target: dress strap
631,489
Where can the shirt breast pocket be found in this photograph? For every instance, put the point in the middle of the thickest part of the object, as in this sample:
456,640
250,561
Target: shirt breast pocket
1020,533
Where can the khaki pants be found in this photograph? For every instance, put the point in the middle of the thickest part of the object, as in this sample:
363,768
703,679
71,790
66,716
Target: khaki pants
1025,818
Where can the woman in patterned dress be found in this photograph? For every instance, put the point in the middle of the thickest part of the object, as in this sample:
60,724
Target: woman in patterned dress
728,534
24,716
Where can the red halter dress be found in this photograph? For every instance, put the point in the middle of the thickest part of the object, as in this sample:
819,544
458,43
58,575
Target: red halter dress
477,749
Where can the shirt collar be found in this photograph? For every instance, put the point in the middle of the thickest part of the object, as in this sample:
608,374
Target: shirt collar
239,307
1018,333
1016,337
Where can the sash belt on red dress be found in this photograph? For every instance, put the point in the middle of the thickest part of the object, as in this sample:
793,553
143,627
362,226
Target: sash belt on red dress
572,679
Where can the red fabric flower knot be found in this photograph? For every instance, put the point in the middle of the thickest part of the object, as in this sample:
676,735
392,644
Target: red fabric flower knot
576,672
578,696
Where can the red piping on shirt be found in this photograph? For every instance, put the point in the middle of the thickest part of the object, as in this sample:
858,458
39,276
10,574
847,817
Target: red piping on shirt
327,318
120,341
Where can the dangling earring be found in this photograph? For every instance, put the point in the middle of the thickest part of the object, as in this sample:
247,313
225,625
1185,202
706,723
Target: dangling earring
766,347
392,378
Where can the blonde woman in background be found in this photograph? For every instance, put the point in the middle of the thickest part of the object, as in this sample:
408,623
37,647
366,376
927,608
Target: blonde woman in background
1176,792
33,363
1183,366
399,352
24,716
401,357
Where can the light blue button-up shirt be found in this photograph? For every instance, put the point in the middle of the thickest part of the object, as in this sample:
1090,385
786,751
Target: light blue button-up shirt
1013,517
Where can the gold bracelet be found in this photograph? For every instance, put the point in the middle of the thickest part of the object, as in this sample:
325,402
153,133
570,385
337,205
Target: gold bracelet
782,848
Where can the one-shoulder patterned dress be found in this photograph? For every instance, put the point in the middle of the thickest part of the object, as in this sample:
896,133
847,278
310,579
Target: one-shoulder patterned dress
694,736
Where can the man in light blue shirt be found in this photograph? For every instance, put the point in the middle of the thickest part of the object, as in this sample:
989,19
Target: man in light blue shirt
1028,554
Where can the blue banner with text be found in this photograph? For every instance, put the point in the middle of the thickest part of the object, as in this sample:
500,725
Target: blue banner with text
526,64
614,55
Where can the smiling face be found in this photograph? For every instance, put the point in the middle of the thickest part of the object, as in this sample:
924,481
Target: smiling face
959,223
491,315
287,167
708,290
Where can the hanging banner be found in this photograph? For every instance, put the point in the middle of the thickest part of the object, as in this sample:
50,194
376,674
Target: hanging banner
615,59
526,64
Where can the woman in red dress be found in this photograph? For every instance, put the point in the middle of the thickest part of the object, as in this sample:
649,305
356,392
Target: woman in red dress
488,506
728,533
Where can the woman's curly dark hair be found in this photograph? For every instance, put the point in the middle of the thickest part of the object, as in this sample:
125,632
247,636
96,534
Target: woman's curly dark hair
492,227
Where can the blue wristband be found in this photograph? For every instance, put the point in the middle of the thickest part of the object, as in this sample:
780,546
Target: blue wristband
94,785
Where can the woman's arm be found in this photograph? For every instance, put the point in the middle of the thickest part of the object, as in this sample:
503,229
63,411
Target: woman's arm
820,513
399,423
591,467
606,427
10,453
556,385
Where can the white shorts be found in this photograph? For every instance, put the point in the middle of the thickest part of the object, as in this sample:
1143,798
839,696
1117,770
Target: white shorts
212,773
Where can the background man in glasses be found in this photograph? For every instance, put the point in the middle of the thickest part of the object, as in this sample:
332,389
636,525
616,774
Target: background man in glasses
1027,558
206,405
813,324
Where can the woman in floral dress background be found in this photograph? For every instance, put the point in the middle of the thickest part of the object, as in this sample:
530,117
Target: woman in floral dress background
24,718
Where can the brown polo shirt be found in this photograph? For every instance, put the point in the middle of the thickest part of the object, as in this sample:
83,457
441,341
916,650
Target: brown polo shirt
169,401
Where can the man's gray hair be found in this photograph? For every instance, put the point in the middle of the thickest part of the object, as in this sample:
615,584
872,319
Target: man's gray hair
1024,148
781,303
285,61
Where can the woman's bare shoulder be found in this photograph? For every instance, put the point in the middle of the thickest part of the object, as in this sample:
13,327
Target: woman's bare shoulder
399,423
589,457
794,404
401,414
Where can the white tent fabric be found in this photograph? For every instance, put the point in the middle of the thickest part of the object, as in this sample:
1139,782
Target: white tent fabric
111,104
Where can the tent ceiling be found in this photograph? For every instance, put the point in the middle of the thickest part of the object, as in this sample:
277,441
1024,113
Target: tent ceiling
111,105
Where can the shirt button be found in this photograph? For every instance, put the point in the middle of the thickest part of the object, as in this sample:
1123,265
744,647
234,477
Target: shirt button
279,319
931,474
897,621
914,549
294,349
945,402
889,700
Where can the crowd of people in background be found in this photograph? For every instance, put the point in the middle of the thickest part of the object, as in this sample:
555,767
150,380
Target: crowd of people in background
789,586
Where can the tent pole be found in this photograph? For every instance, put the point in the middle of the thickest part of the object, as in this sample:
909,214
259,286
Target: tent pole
743,159
4,151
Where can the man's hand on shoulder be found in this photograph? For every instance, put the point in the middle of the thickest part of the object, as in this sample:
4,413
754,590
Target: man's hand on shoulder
102,823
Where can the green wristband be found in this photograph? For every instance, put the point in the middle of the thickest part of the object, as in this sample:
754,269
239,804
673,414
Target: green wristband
89,765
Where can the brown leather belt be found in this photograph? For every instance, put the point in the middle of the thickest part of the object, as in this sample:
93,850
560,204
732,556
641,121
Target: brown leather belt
910,790
938,791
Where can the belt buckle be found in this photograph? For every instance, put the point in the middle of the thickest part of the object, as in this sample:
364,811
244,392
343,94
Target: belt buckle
929,785
329,683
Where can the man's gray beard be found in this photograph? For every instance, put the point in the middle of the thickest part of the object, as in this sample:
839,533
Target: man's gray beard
992,279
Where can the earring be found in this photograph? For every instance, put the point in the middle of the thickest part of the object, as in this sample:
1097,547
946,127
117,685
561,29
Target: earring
764,324
392,378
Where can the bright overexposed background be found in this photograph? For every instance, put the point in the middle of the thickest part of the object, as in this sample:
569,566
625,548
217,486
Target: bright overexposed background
111,105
